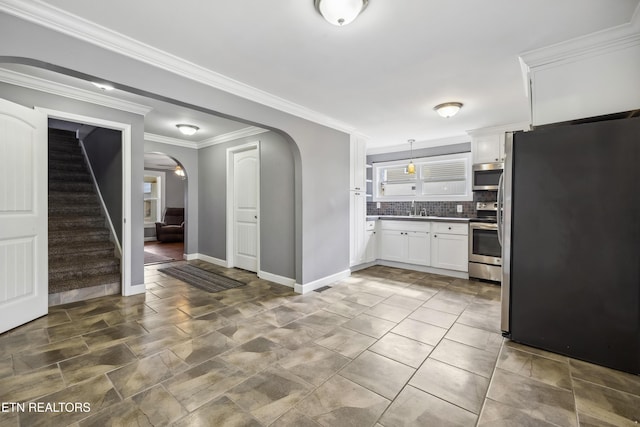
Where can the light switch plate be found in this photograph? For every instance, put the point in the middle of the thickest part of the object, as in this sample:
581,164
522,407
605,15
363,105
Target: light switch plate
459,208
377,205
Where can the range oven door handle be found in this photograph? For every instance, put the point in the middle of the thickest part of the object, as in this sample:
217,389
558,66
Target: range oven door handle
499,212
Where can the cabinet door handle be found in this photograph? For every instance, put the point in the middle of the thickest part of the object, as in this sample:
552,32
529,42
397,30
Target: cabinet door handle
449,228
435,235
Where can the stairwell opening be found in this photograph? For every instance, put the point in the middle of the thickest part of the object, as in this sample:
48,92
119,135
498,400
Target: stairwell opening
85,201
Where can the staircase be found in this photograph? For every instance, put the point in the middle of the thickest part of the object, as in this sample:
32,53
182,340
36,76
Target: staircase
80,252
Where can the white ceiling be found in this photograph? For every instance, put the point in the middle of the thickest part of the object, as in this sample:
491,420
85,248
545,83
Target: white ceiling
381,74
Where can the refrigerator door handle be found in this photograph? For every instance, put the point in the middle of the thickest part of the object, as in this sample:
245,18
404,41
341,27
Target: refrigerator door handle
499,212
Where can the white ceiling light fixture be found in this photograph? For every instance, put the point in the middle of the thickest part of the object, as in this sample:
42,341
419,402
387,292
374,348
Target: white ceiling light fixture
448,109
187,129
340,12
103,86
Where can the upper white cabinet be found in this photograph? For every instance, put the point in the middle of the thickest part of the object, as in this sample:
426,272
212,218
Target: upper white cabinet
488,148
589,76
358,163
487,145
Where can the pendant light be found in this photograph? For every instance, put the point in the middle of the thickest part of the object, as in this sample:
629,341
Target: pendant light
180,172
411,168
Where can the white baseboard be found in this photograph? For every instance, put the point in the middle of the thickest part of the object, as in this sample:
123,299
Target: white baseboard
363,266
150,239
134,290
207,258
425,269
311,286
281,280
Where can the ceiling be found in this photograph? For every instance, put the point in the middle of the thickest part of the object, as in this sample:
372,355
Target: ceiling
382,74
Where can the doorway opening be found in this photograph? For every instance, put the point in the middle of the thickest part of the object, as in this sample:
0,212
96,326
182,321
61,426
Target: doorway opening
164,207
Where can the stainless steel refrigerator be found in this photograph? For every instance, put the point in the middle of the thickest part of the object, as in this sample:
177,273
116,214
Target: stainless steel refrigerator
570,229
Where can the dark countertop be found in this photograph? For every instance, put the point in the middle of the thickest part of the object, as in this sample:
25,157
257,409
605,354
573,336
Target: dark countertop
416,218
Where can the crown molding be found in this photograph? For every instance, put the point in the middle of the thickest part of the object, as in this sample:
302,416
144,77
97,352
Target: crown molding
419,145
61,21
499,129
42,85
607,40
225,137
171,141
241,133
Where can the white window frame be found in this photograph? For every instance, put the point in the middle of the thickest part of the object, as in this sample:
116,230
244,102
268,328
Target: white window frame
379,167
160,196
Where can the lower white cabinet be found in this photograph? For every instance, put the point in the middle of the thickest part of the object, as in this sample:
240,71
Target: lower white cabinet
370,244
450,246
436,244
405,241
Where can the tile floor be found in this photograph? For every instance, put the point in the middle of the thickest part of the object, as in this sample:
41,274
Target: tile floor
385,347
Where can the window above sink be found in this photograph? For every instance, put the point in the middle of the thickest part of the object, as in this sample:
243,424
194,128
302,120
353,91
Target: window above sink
438,178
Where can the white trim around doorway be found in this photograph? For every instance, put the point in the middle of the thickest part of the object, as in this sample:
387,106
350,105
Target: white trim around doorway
128,288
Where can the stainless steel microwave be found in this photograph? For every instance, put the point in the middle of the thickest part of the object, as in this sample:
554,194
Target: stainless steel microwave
486,176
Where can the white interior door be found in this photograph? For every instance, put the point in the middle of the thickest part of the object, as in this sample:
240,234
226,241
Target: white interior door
23,215
245,209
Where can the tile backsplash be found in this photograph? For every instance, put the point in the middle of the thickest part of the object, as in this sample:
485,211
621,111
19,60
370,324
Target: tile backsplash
433,208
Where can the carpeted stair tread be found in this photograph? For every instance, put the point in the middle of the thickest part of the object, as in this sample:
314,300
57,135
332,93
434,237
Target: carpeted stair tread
65,247
80,251
65,175
70,186
65,222
84,282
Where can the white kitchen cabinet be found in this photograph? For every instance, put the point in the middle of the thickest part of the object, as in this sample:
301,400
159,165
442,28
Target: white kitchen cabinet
406,242
357,181
488,148
358,216
418,248
370,245
450,246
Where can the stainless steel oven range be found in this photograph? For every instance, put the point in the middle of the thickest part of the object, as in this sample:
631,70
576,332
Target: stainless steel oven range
485,251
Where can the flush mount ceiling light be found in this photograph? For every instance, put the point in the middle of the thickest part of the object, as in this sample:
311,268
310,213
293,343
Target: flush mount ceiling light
448,109
102,86
340,12
411,168
187,129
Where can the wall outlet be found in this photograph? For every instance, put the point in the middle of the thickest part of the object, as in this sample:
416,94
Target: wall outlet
377,205
459,208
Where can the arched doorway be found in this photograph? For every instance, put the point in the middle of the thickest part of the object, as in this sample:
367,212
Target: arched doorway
164,206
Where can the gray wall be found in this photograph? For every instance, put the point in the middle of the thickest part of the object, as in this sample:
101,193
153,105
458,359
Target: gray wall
188,158
31,98
321,157
277,202
104,151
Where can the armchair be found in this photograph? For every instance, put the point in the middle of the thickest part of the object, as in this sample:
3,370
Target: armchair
172,227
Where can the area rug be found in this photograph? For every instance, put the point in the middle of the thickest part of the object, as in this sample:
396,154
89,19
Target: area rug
151,258
202,279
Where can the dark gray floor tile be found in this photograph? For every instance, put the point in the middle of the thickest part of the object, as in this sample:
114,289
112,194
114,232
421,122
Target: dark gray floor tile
402,349
419,331
465,357
604,376
313,363
479,338
346,342
378,373
496,414
605,404
220,412
340,402
95,363
38,357
454,385
551,404
434,317
536,367
414,407
369,325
